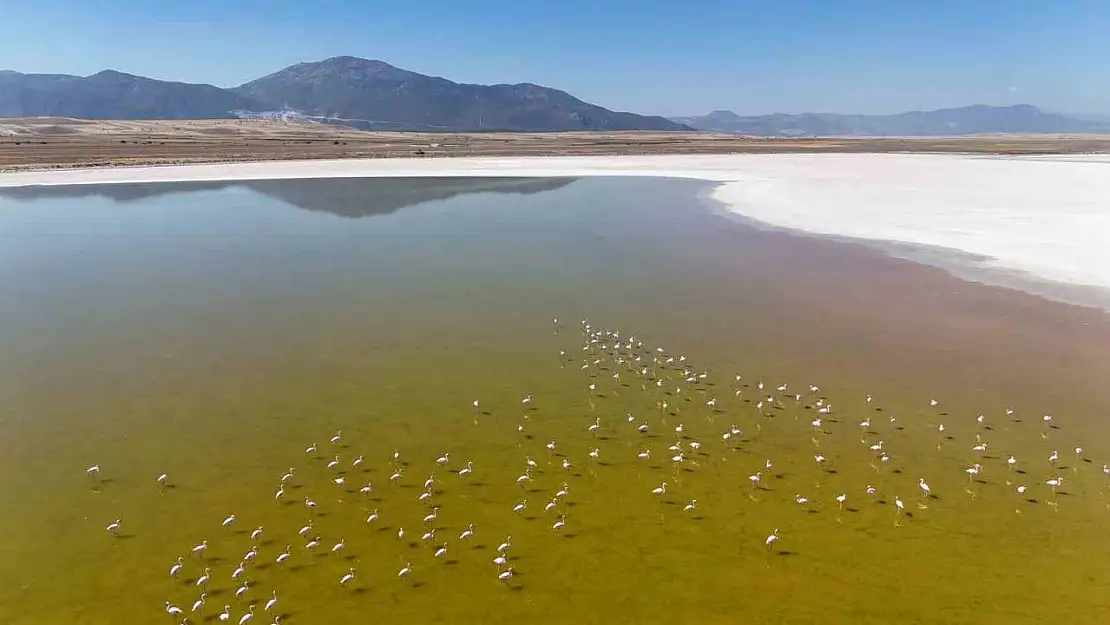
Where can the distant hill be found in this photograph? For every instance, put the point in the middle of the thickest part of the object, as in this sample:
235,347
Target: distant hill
967,120
378,95
346,90
114,95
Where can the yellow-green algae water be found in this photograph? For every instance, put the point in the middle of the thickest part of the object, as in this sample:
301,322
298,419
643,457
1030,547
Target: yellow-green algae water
215,332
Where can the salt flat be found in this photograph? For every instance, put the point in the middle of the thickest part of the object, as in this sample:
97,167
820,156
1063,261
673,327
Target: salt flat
1046,218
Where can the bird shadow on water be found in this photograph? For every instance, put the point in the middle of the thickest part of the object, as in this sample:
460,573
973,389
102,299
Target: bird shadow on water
785,554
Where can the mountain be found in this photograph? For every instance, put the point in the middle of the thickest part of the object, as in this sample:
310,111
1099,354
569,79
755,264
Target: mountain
375,94
113,95
967,120
345,90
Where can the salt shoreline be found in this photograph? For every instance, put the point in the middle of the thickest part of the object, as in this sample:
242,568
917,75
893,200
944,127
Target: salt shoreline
1037,223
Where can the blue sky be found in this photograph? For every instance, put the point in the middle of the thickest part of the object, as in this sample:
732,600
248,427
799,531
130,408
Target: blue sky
651,56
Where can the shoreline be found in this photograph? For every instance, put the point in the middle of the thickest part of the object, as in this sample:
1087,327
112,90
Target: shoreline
839,196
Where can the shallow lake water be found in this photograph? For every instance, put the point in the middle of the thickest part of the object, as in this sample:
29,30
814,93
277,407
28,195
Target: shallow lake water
214,332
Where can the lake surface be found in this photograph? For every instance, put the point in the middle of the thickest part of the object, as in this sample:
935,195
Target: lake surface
215,331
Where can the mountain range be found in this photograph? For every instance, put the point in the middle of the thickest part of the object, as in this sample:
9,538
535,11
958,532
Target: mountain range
967,120
372,94
346,90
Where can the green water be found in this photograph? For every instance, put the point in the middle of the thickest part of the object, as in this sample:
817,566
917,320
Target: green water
215,332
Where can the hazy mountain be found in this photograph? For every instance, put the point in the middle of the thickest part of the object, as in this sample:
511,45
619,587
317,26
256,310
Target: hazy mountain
376,94
113,95
967,120
344,197
356,92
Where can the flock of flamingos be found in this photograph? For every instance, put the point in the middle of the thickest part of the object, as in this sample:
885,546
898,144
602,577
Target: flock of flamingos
610,360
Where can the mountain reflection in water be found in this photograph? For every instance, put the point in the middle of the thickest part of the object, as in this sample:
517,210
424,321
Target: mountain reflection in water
344,197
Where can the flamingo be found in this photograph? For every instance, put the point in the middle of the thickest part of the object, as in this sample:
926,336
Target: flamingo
347,578
770,540
199,549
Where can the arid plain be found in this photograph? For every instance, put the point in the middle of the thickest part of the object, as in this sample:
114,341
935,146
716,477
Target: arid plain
51,143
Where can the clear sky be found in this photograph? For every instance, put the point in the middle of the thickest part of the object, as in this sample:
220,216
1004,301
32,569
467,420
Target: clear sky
667,57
